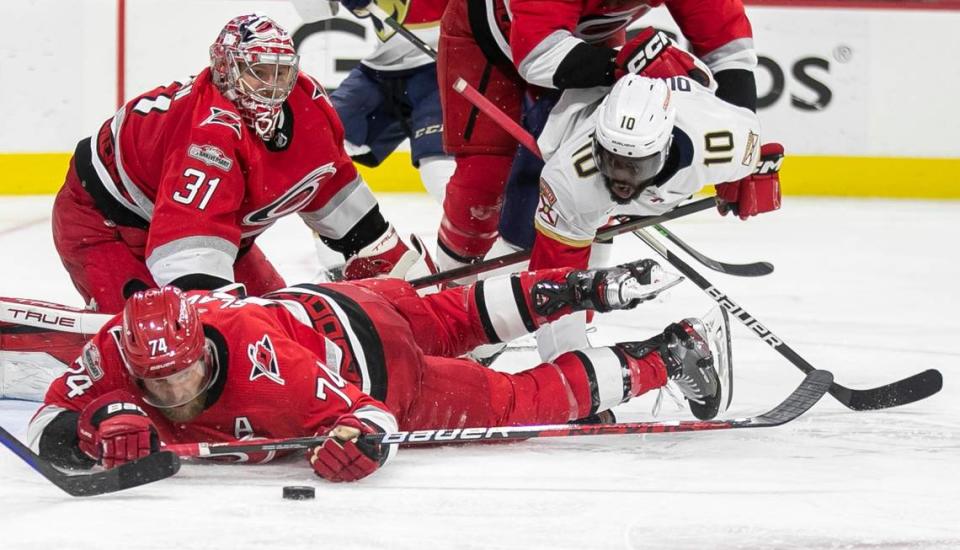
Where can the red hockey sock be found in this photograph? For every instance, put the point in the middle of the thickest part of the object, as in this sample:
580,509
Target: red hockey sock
471,209
646,373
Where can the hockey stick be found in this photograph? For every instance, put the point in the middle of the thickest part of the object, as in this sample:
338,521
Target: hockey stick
152,468
804,396
519,133
914,388
390,21
521,255
755,269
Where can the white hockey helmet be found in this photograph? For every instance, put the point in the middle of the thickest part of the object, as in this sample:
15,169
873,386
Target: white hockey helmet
634,130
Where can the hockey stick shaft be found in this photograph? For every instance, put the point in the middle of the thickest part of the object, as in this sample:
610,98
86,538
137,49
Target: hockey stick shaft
754,269
389,21
523,255
902,392
813,387
496,114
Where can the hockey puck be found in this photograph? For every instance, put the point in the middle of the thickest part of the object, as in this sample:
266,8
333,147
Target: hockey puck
299,492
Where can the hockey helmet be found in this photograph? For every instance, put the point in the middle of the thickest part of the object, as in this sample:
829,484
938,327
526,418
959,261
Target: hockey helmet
634,131
162,342
255,65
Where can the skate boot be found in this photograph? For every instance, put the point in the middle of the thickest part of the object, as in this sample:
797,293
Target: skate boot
621,287
697,357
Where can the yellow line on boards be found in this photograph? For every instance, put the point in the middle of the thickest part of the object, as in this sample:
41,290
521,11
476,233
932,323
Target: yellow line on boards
920,178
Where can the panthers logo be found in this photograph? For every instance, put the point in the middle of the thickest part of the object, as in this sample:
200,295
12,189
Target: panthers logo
395,8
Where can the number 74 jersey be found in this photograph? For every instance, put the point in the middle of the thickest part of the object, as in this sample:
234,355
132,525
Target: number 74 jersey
713,142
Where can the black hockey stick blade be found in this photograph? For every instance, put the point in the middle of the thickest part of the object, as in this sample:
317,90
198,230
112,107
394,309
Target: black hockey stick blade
152,468
814,386
755,269
901,392
914,388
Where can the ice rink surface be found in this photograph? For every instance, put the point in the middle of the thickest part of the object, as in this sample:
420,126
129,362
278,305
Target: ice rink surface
865,289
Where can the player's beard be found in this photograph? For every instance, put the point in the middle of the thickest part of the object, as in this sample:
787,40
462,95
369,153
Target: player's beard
186,412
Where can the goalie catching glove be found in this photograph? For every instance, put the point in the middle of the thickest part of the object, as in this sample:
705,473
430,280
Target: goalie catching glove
389,256
346,457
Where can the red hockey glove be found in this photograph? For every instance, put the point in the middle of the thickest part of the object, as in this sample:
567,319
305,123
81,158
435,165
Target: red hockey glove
113,430
344,457
652,54
389,256
757,193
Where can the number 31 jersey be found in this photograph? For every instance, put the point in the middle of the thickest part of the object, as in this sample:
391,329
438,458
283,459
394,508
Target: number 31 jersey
180,163
713,142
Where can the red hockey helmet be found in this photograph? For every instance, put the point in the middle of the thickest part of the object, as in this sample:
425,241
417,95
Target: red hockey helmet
162,334
163,344
255,65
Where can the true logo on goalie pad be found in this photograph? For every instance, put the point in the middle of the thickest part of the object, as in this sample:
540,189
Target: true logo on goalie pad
264,360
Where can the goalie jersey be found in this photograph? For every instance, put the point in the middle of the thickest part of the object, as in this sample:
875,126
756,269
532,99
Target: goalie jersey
713,142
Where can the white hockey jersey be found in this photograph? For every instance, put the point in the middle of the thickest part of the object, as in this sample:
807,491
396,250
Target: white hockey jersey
713,142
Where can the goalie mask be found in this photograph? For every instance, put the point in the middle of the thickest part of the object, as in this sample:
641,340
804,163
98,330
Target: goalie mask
164,348
255,65
634,131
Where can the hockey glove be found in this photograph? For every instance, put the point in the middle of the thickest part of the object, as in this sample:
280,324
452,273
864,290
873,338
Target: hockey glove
345,457
113,430
651,53
389,256
757,193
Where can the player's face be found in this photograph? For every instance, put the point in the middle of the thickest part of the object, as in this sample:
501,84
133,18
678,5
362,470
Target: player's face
177,389
270,78
623,188
627,177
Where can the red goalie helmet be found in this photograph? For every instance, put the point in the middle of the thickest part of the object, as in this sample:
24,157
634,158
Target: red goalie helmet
255,65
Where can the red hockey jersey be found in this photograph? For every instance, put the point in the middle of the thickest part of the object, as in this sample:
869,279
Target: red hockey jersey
179,162
276,377
538,34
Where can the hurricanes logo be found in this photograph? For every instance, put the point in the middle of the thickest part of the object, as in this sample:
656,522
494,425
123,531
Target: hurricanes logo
224,118
296,198
397,9
264,360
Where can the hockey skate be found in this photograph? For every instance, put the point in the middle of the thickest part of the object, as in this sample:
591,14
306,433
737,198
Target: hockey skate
698,358
621,287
